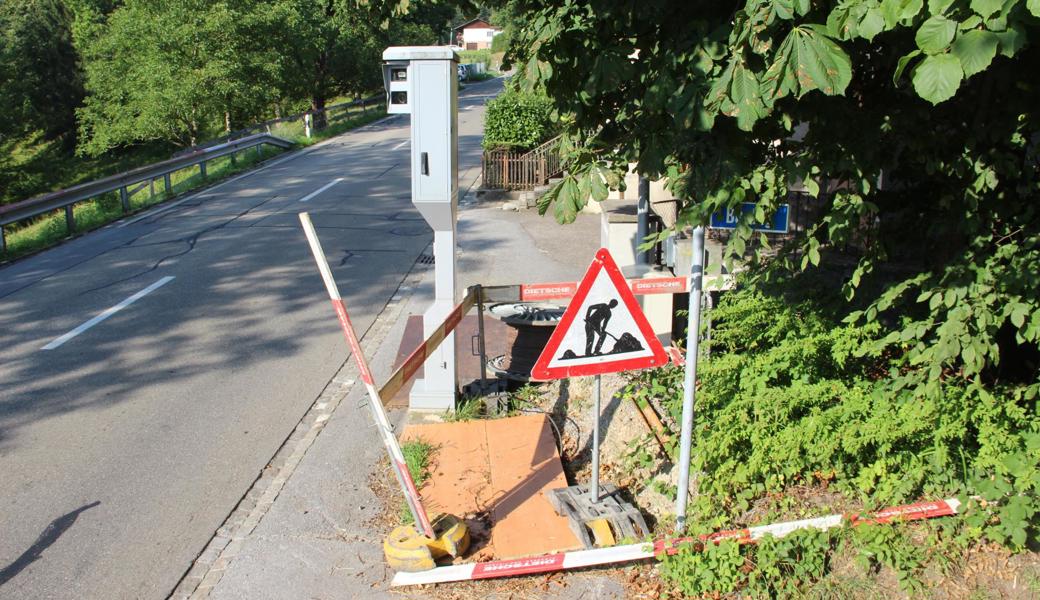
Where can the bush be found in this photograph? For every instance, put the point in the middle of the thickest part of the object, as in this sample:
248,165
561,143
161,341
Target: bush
499,43
790,396
518,120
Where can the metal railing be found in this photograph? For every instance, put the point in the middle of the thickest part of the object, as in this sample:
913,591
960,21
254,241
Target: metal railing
145,176
333,113
508,169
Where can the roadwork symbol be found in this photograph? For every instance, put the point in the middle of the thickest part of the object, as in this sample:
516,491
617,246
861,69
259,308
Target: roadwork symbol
602,331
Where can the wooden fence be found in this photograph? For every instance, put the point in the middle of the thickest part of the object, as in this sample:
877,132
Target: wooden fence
505,169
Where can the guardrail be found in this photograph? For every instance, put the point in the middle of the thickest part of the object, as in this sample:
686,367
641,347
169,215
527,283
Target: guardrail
303,117
67,198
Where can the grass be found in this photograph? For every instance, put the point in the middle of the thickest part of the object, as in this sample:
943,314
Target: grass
418,455
49,229
468,408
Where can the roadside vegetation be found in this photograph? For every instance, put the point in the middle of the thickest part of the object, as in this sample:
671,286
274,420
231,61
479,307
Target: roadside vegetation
518,120
418,456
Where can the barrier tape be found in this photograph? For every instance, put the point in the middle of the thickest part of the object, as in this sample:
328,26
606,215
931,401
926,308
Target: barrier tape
418,356
563,561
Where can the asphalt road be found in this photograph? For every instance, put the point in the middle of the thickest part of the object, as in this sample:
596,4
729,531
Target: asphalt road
127,436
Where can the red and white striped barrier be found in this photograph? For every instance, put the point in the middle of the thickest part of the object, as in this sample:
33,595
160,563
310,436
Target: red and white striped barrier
563,561
393,448
640,287
418,356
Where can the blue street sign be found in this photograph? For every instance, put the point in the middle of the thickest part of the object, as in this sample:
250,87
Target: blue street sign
727,219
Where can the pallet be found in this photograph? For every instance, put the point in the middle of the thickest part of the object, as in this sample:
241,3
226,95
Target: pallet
575,503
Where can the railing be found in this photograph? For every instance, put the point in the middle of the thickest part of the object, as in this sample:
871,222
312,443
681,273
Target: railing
333,113
507,169
67,198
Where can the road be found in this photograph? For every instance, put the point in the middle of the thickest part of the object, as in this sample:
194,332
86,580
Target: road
150,370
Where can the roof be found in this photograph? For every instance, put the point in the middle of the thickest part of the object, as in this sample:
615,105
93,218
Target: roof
482,24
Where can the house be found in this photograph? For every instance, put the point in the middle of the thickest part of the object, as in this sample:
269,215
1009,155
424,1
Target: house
476,34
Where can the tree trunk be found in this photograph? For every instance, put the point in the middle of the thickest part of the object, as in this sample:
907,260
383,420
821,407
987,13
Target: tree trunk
318,110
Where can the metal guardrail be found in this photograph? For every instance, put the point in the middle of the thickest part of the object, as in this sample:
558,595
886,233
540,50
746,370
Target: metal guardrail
67,198
373,101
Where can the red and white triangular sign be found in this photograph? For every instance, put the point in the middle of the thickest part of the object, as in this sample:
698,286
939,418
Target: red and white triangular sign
602,331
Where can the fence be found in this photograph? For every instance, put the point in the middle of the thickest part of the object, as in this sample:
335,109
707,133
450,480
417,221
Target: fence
508,169
124,182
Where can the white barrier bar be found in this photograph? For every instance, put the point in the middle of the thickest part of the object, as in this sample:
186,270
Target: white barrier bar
631,552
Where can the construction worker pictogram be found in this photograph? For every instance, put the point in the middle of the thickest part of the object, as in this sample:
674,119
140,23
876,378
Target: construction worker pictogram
603,329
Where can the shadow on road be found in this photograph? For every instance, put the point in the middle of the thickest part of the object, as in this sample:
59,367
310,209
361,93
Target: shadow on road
54,530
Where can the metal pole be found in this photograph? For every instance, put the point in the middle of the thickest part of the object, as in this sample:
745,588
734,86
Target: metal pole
70,219
595,440
124,199
167,184
642,220
480,339
689,383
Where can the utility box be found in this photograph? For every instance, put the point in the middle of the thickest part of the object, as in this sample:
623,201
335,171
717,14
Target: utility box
422,81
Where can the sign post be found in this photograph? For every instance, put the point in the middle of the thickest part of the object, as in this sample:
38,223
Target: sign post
690,379
602,331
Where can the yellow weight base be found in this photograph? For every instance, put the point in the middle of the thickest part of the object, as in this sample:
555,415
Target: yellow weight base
408,550
601,532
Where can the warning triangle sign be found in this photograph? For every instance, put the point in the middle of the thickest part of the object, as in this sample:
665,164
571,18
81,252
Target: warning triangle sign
602,331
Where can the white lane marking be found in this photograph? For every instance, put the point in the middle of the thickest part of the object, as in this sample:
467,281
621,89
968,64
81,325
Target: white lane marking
401,145
108,313
321,189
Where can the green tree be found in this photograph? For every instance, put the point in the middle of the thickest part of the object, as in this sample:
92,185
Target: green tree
332,47
742,101
170,70
40,82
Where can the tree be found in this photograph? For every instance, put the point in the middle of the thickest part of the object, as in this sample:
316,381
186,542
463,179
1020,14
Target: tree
40,82
168,70
332,47
935,100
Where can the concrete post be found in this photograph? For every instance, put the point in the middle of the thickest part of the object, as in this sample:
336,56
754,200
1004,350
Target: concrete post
202,169
167,184
124,199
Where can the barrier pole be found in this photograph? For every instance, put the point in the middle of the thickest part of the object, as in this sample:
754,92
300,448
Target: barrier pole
404,478
690,380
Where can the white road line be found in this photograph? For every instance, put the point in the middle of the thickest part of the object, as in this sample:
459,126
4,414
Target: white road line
321,189
108,313
401,145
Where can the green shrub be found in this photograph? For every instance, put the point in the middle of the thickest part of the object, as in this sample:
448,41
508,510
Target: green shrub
793,396
789,396
518,120
499,43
